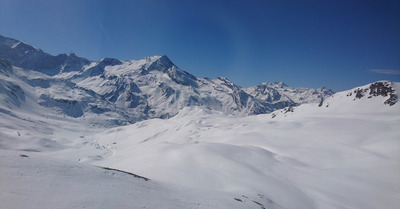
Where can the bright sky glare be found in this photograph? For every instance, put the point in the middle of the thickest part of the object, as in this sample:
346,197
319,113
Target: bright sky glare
334,43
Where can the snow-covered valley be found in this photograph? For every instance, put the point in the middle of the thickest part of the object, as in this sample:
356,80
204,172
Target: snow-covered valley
145,134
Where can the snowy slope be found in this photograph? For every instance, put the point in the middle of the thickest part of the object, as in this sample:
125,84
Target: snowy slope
341,156
30,180
132,90
318,159
313,158
203,143
374,98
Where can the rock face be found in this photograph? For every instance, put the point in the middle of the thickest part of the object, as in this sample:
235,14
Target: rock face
377,89
129,91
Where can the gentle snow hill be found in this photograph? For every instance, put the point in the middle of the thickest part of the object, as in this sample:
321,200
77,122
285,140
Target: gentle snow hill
29,180
341,156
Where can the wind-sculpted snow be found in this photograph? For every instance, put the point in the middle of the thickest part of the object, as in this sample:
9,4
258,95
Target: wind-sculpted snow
313,158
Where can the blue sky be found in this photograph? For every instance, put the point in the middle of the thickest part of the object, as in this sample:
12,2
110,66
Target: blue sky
339,44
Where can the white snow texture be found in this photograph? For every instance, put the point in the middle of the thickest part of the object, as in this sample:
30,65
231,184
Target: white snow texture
144,134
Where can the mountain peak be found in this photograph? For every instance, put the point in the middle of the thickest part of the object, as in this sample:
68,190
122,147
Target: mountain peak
25,46
17,45
158,63
22,54
155,87
157,58
109,61
164,60
9,42
274,84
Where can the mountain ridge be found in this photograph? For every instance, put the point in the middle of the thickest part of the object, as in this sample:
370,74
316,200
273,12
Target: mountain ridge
203,143
134,90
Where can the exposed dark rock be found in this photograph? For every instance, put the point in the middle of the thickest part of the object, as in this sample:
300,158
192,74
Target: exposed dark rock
380,88
384,89
392,100
321,102
129,173
359,93
288,109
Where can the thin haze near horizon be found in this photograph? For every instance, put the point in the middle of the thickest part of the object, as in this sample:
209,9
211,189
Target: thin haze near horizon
337,44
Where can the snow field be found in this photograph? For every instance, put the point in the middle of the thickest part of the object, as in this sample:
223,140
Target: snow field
322,158
57,131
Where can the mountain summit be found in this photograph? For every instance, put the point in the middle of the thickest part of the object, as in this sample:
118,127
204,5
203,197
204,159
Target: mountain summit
21,54
133,90
82,130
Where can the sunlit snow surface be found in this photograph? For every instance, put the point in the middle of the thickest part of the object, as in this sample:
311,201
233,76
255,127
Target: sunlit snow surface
58,131
345,155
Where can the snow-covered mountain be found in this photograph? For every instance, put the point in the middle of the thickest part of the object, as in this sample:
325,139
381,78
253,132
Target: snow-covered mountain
374,97
282,95
145,134
341,154
134,90
21,54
